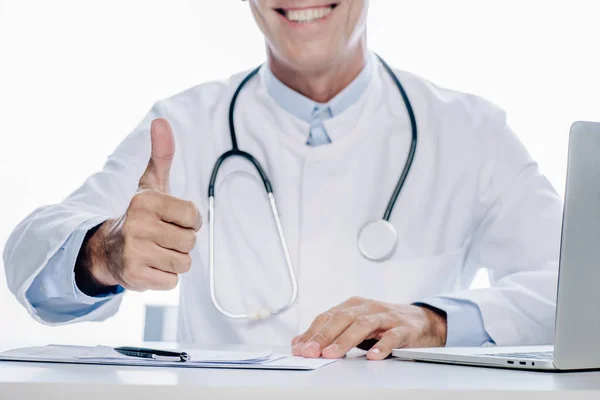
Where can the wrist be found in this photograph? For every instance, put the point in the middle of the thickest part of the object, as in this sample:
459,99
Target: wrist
92,274
438,322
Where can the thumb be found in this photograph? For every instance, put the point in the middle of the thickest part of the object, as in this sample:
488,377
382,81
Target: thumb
156,175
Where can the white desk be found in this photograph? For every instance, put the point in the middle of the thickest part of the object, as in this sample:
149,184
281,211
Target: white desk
351,378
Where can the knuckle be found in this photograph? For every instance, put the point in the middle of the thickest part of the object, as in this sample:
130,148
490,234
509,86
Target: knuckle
356,300
343,316
193,216
173,264
155,283
379,306
191,241
303,338
170,282
137,201
143,200
187,263
365,321
323,318
192,211
323,337
159,285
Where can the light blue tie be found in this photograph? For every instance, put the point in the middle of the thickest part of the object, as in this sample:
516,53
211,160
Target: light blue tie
318,134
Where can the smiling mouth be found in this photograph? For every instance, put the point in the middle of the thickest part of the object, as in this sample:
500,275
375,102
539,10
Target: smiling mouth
306,15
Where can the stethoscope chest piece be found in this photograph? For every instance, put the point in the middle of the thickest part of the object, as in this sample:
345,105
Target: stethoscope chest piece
377,240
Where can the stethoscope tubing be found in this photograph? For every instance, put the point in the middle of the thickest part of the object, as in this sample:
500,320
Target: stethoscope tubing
236,152
413,144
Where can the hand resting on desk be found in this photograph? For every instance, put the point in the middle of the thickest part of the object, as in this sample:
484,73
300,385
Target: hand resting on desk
347,325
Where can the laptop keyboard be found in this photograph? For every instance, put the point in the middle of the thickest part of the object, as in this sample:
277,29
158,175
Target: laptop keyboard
544,355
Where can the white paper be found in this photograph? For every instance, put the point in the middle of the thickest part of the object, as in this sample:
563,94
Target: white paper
200,358
196,356
290,362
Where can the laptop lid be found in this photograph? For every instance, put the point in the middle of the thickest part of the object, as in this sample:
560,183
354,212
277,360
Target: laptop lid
577,340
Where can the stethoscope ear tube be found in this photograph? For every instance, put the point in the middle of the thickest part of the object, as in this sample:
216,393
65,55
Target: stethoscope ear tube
232,133
413,145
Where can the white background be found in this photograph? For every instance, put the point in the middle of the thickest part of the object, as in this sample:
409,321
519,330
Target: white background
77,76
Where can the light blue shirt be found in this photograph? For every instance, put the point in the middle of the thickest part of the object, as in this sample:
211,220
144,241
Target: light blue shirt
55,294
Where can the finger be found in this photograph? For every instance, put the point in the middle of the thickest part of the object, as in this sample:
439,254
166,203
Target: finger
360,329
393,339
339,321
180,212
319,322
296,339
299,341
148,278
157,172
173,237
168,260
168,208
353,301
160,280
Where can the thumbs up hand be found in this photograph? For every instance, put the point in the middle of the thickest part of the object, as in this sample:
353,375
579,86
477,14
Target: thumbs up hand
149,246
156,175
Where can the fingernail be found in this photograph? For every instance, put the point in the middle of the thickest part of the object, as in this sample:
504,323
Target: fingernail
375,351
297,348
332,350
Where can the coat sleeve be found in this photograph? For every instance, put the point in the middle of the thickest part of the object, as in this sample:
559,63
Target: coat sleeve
103,195
516,236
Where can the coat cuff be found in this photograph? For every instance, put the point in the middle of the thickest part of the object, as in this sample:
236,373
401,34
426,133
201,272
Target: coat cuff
465,322
57,278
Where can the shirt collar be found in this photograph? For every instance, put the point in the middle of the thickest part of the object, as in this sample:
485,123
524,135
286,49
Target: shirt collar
302,107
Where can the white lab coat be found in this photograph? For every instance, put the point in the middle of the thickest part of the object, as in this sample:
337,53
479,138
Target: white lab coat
474,198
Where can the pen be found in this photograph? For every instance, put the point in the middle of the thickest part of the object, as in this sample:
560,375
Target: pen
159,355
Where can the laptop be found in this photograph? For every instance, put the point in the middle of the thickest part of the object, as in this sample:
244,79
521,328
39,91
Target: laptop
577,329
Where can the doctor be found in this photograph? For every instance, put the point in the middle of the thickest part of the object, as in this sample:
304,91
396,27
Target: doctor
333,133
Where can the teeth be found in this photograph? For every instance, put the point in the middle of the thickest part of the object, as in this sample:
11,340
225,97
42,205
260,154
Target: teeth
308,14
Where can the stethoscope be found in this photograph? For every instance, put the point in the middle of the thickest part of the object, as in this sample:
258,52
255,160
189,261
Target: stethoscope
376,239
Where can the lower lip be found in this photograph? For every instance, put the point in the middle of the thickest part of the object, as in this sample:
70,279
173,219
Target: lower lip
299,25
